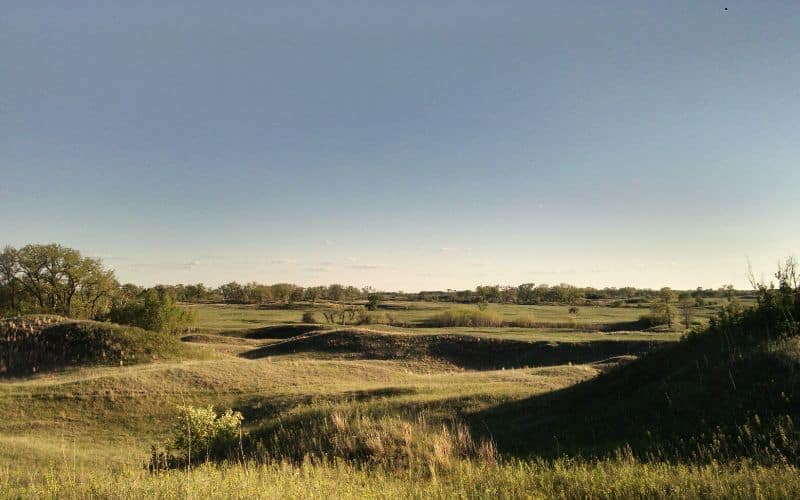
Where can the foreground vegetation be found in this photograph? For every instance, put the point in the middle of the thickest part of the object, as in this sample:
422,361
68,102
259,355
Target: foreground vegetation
563,478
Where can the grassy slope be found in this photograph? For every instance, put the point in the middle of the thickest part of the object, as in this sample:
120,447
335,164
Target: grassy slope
462,351
99,416
116,413
715,394
30,344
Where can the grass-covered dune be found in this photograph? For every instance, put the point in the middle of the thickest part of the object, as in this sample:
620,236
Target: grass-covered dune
463,351
728,392
31,344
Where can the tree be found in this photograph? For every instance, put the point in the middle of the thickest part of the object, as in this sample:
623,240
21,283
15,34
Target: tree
525,293
661,309
686,304
728,291
282,292
232,292
55,279
312,294
9,269
373,300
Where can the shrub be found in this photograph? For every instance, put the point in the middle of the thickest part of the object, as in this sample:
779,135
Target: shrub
573,310
153,310
201,434
309,317
365,318
466,317
373,301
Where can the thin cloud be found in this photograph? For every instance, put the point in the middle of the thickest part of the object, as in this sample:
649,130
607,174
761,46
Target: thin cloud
366,267
279,262
320,269
453,249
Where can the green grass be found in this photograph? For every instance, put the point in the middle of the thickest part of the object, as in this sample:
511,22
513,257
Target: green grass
615,479
218,318
87,431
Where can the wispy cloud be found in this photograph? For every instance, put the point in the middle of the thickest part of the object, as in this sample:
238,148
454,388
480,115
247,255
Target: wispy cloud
453,249
320,269
166,265
279,262
366,267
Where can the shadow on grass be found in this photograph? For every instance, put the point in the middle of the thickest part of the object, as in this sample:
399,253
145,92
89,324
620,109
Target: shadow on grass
286,331
463,351
693,400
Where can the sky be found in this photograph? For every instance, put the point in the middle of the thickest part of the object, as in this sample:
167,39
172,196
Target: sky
405,145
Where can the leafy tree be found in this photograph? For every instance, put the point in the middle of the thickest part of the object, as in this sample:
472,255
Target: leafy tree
9,269
55,279
232,292
373,300
282,292
314,293
662,310
525,293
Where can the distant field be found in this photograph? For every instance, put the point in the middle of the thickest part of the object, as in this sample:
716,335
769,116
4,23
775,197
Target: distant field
229,318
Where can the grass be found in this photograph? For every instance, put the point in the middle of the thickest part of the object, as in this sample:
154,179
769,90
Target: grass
566,478
29,344
362,394
229,318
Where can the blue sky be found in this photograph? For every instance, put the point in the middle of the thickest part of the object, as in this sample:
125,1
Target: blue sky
405,145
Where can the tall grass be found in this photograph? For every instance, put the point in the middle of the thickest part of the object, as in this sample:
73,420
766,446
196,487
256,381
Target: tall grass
467,318
389,441
562,478
464,317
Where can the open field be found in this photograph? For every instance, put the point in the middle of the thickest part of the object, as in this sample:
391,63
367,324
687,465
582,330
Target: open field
232,318
92,427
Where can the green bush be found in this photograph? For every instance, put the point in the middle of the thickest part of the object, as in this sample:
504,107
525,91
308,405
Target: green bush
309,317
153,310
201,435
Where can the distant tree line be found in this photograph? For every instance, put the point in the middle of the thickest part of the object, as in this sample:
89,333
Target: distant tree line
257,293
526,293
59,280
564,294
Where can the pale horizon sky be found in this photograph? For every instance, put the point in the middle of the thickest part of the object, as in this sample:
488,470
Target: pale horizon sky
405,145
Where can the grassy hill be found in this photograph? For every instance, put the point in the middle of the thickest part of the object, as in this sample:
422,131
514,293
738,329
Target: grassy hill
365,400
31,344
472,352
727,392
